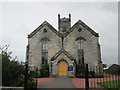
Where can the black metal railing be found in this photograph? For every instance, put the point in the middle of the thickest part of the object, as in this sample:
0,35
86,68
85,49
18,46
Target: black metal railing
100,78
96,77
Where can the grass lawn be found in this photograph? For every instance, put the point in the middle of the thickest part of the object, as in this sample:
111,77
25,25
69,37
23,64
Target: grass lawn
110,84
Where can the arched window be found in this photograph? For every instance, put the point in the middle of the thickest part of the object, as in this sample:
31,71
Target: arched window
80,43
44,45
80,49
44,48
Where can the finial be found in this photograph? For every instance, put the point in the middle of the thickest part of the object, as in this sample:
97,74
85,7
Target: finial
70,17
58,15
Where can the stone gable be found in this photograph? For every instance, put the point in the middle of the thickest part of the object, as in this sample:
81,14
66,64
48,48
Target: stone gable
63,45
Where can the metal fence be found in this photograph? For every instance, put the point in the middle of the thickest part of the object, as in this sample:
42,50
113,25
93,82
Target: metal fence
95,78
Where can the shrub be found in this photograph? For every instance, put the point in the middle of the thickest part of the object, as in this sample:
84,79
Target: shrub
12,72
35,74
44,71
91,73
31,83
80,70
20,80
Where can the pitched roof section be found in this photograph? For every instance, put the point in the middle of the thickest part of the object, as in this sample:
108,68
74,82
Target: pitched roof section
84,25
67,33
41,26
60,52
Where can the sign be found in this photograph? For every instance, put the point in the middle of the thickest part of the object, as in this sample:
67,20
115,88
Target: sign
70,68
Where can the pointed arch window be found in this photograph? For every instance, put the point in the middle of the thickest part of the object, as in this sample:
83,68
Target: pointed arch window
44,45
44,48
80,49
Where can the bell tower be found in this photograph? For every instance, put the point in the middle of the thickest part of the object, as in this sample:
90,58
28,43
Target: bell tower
64,24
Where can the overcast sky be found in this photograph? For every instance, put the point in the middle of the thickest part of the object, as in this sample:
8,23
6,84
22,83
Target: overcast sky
20,19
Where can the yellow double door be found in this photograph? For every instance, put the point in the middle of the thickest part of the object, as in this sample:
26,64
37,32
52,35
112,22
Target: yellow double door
62,68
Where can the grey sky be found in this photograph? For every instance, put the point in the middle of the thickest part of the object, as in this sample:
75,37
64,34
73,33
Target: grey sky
20,19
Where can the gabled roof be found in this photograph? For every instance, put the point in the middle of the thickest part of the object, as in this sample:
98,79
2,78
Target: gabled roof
67,33
41,26
84,25
60,52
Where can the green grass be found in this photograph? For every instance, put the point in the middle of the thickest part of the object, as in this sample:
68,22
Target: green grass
110,84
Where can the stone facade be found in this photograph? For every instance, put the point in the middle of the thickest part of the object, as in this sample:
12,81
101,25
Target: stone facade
62,44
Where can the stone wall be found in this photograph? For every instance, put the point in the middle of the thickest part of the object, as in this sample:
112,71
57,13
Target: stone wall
54,45
90,46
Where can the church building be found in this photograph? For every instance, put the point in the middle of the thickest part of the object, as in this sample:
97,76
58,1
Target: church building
63,47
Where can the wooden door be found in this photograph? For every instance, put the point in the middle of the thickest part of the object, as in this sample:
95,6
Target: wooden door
62,68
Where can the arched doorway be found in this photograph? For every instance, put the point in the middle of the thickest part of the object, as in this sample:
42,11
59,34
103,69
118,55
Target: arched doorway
62,68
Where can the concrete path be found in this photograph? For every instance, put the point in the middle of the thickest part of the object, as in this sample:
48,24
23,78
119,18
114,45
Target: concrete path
59,82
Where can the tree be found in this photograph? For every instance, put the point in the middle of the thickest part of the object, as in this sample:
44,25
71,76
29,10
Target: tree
12,70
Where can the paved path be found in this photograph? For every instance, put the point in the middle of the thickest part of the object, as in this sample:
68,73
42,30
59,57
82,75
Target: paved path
65,82
44,80
59,82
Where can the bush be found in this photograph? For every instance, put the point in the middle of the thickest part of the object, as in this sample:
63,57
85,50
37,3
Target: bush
38,74
12,72
35,74
32,74
31,83
80,70
44,71
20,80
91,73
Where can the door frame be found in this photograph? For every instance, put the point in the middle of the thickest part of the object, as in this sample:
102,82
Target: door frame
58,66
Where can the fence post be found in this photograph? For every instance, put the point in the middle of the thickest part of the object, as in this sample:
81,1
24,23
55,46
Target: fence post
86,77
